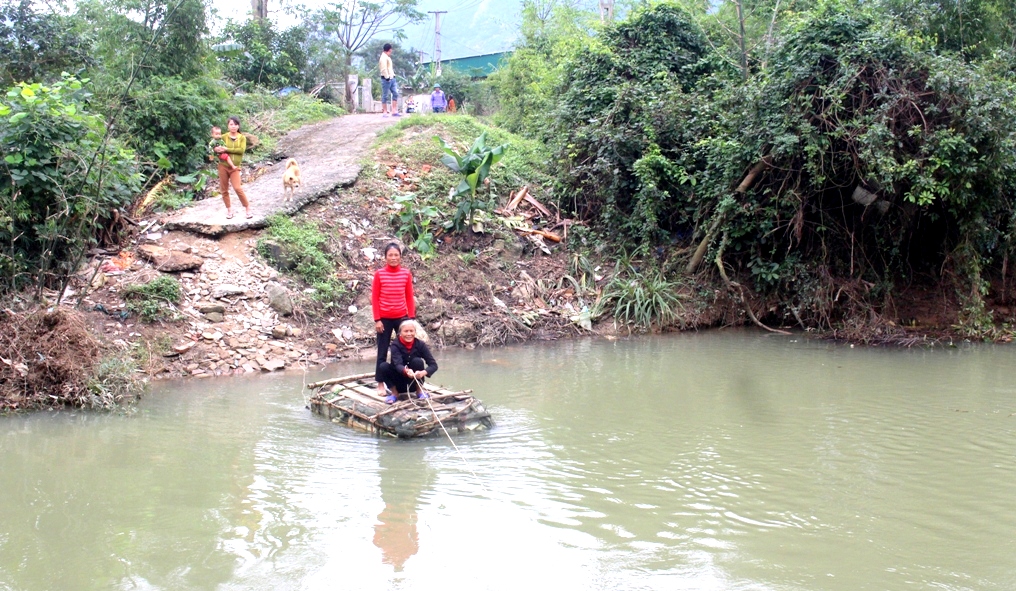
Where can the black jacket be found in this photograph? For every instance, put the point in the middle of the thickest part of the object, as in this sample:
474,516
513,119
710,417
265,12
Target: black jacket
401,356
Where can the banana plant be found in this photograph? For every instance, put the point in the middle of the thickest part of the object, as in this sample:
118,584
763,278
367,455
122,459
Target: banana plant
474,166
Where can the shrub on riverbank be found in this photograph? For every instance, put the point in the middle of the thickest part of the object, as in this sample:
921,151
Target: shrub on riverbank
153,300
410,147
63,183
852,161
50,359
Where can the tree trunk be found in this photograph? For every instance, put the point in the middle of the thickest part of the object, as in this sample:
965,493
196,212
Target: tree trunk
259,8
348,93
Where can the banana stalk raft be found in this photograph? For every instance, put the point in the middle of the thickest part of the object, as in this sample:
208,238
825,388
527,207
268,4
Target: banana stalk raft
353,400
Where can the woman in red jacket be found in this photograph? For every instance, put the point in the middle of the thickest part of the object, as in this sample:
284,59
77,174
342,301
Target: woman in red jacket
392,302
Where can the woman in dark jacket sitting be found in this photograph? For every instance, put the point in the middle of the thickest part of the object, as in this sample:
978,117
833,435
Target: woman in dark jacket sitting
411,363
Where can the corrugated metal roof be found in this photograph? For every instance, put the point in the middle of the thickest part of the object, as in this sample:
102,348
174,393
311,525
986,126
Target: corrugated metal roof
479,66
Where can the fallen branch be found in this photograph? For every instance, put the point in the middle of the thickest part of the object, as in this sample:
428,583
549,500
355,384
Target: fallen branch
516,198
740,296
548,235
742,188
529,199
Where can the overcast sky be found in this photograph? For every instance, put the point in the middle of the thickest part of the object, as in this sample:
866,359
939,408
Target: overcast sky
470,27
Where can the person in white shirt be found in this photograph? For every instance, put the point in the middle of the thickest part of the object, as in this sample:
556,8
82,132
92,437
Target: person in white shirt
389,89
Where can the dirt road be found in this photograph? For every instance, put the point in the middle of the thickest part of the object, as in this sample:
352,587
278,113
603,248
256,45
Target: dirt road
329,154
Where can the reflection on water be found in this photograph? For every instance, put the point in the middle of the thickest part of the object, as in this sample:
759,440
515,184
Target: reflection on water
712,461
404,476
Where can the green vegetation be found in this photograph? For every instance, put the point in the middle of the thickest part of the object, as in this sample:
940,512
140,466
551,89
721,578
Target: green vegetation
829,150
303,251
818,154
641,299
269,116
62,181
114,383
153,301
264,57
413,220
474,167
430,205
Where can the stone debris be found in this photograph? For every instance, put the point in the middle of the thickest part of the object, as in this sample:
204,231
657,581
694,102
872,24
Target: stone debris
233,312
225,290
169,261
279,298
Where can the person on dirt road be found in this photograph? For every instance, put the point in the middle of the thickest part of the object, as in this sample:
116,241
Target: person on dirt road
234,144
389,89
391,300
412,363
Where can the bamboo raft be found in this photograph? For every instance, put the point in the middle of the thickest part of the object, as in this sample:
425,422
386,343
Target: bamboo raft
353,401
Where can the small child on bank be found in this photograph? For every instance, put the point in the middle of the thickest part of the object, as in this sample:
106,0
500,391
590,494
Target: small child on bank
217,141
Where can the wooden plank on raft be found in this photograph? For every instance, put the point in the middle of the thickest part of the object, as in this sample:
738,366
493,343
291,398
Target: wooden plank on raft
352,412
340,380
358,397
369,391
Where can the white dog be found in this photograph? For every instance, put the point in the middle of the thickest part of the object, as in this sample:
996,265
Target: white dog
290,180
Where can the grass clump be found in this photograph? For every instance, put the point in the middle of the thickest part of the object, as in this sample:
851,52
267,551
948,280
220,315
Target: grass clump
300,248
642,298
153,300
114,383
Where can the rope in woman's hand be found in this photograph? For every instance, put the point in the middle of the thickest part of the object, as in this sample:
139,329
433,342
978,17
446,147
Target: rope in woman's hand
420,388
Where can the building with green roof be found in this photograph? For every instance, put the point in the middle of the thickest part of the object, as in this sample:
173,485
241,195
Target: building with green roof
477,66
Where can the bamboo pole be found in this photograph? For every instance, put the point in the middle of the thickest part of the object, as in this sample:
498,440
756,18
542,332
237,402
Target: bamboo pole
742,188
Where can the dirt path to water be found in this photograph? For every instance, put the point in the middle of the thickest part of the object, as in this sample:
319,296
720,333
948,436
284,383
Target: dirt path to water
329,155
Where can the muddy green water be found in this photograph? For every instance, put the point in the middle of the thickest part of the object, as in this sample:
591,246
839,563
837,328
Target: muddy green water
716,461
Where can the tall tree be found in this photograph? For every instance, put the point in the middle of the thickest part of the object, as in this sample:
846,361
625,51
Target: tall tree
36,46
972,27
355,22
151,37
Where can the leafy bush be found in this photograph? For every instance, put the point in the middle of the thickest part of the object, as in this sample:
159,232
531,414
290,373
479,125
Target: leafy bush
876,160
113,383
141,40
37,46
643,299
410,141
169,120
414,219
853,156
611,112
61,181
266,58
527,86
152,301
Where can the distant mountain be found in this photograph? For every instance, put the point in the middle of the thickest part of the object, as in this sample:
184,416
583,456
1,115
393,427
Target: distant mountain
470,27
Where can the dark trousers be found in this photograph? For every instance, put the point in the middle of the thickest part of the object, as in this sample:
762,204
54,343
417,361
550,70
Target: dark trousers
399,382
384,340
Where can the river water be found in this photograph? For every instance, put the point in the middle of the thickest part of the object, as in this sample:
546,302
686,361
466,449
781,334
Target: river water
713,461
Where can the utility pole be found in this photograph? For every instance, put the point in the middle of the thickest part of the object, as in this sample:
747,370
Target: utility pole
437,37
606,11
419,56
